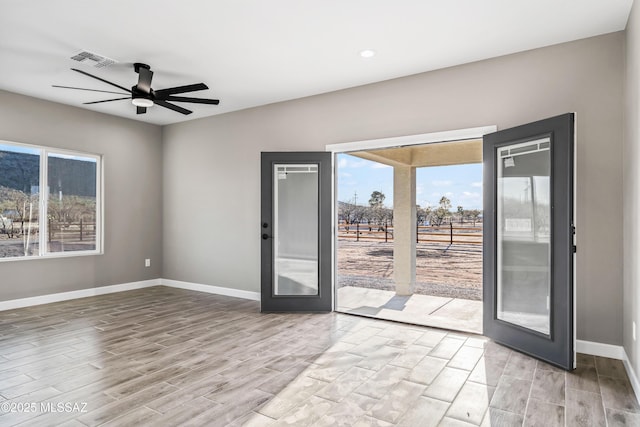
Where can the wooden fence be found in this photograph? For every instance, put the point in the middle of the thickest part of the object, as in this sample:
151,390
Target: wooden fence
447,233
77,231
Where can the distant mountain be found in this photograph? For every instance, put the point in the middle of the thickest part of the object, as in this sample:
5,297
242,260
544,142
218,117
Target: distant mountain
21,171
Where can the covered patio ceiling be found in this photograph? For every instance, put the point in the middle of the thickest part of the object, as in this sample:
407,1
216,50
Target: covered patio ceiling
435,154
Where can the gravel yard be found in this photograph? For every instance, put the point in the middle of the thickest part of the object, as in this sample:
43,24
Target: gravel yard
454,271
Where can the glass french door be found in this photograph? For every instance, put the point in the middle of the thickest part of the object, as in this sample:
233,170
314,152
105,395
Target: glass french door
529,239
296,232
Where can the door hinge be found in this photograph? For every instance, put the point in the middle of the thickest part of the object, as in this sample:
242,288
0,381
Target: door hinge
574,248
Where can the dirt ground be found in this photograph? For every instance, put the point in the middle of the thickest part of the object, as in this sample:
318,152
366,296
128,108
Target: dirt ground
441,270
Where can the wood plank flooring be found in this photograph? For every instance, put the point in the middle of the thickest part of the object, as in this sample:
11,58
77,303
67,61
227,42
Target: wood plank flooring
162,357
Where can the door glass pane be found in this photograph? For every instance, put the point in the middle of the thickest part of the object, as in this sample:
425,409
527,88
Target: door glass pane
523,234
71,222
295,229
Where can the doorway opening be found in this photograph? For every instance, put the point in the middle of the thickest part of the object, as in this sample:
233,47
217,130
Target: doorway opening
409,234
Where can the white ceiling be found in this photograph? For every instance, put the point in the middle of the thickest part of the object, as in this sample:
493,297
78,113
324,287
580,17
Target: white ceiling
256,52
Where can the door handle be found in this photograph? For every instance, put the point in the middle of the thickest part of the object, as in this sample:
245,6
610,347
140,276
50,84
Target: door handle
265,236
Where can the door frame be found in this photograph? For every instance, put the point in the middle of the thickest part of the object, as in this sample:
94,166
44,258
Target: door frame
391,142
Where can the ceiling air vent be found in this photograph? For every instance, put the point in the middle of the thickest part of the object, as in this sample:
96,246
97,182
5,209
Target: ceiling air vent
93,59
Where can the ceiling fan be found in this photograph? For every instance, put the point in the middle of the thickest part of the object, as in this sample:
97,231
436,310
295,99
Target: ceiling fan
143,96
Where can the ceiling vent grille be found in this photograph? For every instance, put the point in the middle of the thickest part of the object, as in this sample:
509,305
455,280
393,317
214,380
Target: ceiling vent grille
93,59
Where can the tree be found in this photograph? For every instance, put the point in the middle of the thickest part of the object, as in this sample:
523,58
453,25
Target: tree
461,213
377,212
377,199
443,210
475,215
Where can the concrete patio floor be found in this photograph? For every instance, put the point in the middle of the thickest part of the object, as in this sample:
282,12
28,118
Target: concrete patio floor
446,313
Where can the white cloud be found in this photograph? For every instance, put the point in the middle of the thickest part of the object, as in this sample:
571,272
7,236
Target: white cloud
449,194
379,166
468,195
347,163
419,189
477,184
441,183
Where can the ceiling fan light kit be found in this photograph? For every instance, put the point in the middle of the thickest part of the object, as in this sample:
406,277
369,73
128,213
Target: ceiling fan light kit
142,96
142,102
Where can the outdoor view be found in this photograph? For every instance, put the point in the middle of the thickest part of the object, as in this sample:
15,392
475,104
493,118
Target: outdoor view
70,219
449,228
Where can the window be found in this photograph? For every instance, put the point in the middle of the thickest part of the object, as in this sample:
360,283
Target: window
50,202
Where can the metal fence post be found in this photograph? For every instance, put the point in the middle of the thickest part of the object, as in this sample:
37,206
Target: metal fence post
386,232
450,233
357,231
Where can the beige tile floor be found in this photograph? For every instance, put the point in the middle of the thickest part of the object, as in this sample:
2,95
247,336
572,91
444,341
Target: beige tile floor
163,357
447,313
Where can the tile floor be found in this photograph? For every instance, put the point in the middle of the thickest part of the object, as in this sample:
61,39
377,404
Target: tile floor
162,357
447,313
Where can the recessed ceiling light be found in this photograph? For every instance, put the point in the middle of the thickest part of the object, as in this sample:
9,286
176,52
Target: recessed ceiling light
368,53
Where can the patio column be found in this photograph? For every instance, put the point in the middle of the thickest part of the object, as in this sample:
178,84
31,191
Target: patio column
404,229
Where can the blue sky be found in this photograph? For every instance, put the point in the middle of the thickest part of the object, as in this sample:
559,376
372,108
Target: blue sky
462,184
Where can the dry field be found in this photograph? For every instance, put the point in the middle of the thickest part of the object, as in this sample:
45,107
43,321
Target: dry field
441,270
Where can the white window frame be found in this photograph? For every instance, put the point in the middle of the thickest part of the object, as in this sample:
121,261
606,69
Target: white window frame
43,202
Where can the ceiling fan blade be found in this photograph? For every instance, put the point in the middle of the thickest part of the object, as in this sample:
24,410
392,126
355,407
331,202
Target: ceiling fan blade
107,100
102,80
141,110
194,100
172,107
163,93
144,80
92,90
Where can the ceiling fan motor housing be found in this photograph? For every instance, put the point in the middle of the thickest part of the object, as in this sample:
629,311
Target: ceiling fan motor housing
137,93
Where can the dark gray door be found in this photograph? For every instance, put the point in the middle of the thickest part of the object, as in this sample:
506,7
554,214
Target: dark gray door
528,239
296,232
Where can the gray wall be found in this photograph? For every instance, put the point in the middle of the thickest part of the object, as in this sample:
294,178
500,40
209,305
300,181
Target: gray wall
211,173
133,196
631,187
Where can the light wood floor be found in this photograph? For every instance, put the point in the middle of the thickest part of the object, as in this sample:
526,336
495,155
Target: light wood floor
163,356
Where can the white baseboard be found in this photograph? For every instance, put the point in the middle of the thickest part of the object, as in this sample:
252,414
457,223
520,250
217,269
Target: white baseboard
613,352
632,375
600,349
218,290
102,290
82,293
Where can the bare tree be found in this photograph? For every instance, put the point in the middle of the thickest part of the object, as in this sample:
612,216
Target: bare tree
474,214
351,213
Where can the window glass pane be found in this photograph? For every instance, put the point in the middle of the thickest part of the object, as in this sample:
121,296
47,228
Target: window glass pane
72,209
19,187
